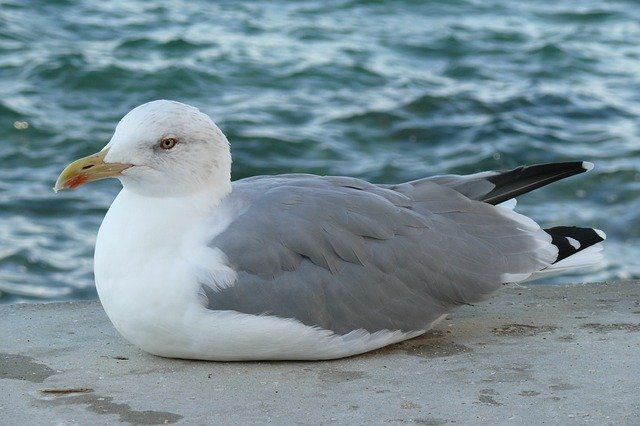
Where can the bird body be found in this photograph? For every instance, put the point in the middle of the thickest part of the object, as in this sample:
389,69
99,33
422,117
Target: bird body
190,265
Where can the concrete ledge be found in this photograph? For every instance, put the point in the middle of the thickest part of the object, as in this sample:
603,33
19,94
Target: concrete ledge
536,354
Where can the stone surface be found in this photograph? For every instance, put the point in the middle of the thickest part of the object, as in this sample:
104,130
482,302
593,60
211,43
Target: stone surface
535,354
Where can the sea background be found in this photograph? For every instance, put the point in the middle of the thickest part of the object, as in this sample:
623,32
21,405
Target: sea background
386,91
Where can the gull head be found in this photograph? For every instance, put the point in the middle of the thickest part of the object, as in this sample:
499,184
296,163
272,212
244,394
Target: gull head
160,149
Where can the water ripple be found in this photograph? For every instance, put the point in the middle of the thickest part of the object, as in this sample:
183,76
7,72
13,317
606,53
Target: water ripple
383,90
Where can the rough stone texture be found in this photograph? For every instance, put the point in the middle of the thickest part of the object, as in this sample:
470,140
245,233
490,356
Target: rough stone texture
536,354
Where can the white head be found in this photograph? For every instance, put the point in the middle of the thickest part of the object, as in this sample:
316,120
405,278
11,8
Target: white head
160,149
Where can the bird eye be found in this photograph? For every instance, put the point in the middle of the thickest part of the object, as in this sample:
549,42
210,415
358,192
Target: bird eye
168,143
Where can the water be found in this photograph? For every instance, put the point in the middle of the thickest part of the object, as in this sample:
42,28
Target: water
383,90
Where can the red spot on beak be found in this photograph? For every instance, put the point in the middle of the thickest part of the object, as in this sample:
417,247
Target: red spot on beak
76,181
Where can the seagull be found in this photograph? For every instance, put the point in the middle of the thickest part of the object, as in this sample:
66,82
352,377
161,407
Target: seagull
189,264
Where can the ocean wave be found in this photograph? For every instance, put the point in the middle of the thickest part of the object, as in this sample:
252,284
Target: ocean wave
387,91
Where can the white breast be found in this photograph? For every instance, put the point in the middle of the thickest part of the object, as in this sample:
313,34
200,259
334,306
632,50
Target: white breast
144,268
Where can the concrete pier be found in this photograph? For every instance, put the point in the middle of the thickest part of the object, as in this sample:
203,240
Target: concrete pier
533,355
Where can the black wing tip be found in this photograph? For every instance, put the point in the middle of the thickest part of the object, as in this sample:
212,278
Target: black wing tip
565,166
512,183
572,239
558,166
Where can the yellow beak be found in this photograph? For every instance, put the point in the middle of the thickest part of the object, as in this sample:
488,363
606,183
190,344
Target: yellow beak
88,169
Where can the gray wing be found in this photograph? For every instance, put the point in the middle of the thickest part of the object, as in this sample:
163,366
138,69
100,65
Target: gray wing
343,254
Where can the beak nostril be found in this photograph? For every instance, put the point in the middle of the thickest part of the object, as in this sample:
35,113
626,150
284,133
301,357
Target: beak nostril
88,166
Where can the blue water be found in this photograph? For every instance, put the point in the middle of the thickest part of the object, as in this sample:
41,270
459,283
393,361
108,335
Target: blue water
383,90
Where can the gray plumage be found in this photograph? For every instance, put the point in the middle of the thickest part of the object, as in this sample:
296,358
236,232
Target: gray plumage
343,254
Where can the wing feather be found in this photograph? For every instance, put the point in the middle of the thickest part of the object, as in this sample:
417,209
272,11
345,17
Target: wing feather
343,254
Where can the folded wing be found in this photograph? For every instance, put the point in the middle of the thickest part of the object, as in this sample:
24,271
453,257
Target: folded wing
342,254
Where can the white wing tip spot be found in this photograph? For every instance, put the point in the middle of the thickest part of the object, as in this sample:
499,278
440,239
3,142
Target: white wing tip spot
574,243
587,165
600,233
